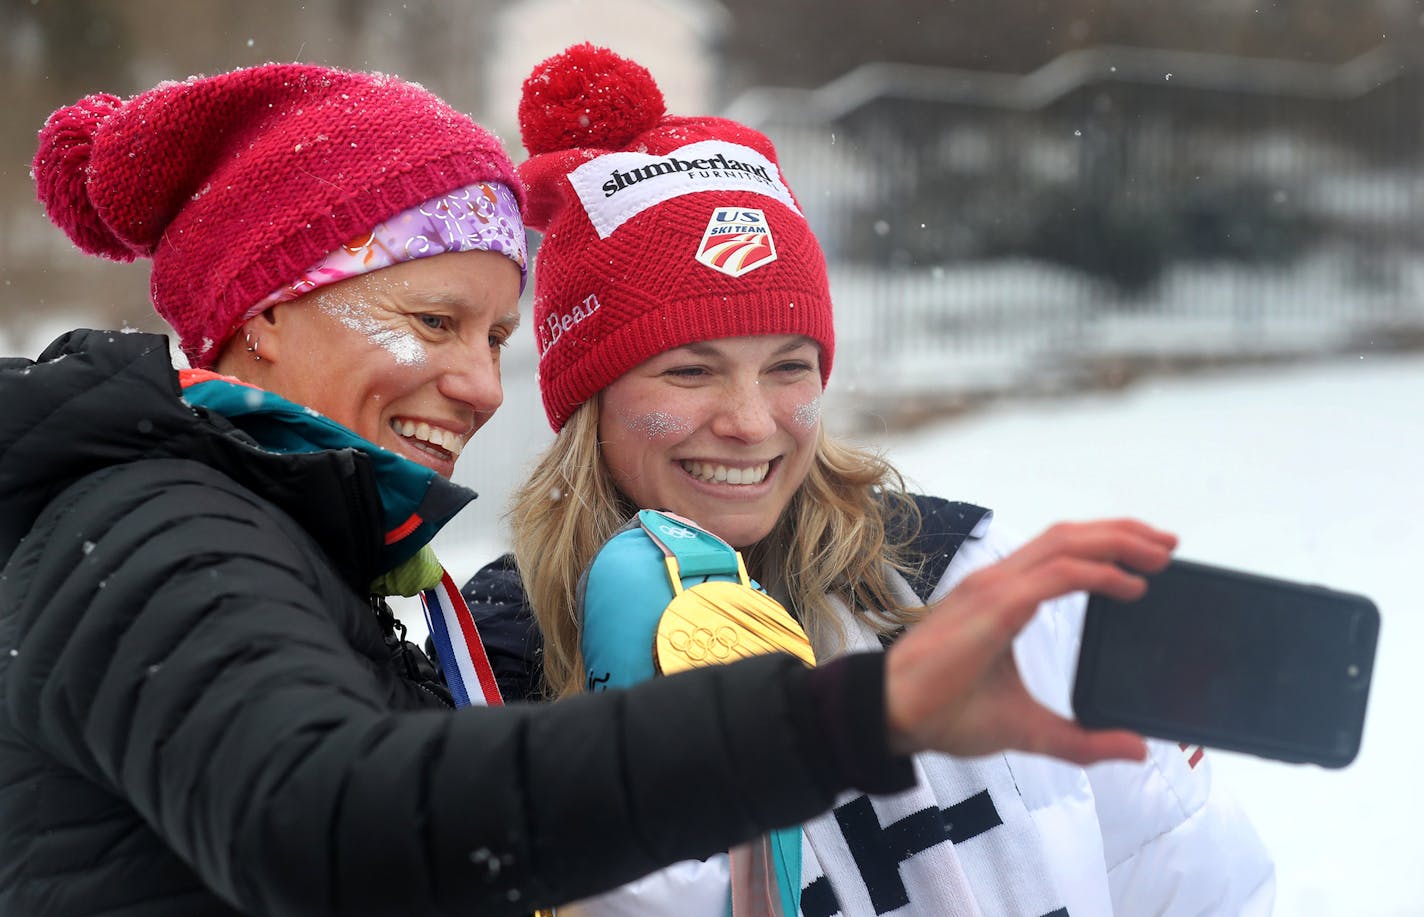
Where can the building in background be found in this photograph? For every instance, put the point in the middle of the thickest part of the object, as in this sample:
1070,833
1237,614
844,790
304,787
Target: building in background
1026,196
1114,210
680,41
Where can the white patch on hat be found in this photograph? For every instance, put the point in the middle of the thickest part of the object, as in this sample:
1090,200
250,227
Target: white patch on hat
737,240
618,186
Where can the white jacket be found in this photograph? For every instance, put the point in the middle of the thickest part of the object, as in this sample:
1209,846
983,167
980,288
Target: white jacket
1134,838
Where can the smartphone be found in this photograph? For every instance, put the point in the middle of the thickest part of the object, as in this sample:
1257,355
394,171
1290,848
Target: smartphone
1227,659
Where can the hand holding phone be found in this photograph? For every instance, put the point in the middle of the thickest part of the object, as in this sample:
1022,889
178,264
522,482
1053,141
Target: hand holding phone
1231,660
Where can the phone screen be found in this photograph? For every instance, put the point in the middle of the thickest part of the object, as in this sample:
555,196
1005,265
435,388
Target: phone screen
1231,660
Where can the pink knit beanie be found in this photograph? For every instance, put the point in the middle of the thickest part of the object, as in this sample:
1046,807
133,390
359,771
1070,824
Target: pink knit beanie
236,184
659,231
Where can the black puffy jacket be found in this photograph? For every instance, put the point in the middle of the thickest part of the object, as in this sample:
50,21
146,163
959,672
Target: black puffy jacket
202,712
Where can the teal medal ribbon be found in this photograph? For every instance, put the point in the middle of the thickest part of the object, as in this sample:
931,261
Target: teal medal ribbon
636,580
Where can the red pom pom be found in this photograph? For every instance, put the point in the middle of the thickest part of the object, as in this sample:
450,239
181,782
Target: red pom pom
587,96
61,173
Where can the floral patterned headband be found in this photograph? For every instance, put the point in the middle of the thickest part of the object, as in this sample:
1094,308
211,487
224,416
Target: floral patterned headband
478,217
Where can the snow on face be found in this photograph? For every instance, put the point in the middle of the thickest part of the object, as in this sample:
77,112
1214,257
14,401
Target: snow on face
808,415
378,325
655,424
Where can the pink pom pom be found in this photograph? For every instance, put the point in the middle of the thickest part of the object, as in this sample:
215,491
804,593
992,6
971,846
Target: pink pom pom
587,96
61,171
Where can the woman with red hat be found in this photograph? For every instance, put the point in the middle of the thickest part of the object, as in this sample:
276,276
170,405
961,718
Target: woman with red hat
684,324
206,704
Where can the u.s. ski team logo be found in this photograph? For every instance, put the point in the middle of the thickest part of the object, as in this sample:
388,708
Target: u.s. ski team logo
736,241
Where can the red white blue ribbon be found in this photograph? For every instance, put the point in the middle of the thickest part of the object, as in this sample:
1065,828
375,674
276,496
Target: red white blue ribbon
467,668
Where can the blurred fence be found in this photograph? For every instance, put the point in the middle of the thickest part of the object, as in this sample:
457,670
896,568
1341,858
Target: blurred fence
1117,207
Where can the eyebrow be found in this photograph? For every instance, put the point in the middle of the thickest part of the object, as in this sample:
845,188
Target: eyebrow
456,301
710,348
435,298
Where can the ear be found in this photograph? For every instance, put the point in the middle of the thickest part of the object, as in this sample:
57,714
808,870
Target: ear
270,330
245,352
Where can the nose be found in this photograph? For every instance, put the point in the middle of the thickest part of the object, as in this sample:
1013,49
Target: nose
745,413
471,377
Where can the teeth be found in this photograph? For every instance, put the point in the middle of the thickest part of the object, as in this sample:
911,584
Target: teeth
706,471
435,436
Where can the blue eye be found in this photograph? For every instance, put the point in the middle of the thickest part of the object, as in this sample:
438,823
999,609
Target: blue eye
431,321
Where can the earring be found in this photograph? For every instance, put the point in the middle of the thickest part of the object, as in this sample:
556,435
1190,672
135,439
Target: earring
251,344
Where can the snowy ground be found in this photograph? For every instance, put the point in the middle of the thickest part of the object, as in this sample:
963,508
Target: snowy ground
1311,472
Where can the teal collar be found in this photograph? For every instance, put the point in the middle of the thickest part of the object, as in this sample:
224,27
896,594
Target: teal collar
412,505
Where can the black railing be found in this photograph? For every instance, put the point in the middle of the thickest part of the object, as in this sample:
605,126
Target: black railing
1115,207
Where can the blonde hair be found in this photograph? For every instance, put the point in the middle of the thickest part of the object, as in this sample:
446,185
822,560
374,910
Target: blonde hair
831,541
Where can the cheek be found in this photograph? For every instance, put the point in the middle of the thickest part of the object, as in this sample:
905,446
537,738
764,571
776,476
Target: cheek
806,416
633,439
653,426
634,433
645,414
798,409
803,423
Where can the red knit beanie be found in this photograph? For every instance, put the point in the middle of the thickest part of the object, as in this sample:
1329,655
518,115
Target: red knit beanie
235,184
659,231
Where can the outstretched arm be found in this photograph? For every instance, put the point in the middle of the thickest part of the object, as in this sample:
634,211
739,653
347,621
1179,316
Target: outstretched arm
200,663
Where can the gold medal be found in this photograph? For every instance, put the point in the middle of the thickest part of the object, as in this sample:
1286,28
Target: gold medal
718,622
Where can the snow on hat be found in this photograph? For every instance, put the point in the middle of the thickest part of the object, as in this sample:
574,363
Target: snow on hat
659,231
237,185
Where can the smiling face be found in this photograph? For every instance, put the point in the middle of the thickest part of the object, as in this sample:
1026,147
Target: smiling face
722,432
406,357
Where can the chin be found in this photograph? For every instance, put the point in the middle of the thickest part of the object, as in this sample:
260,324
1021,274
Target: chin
739,535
